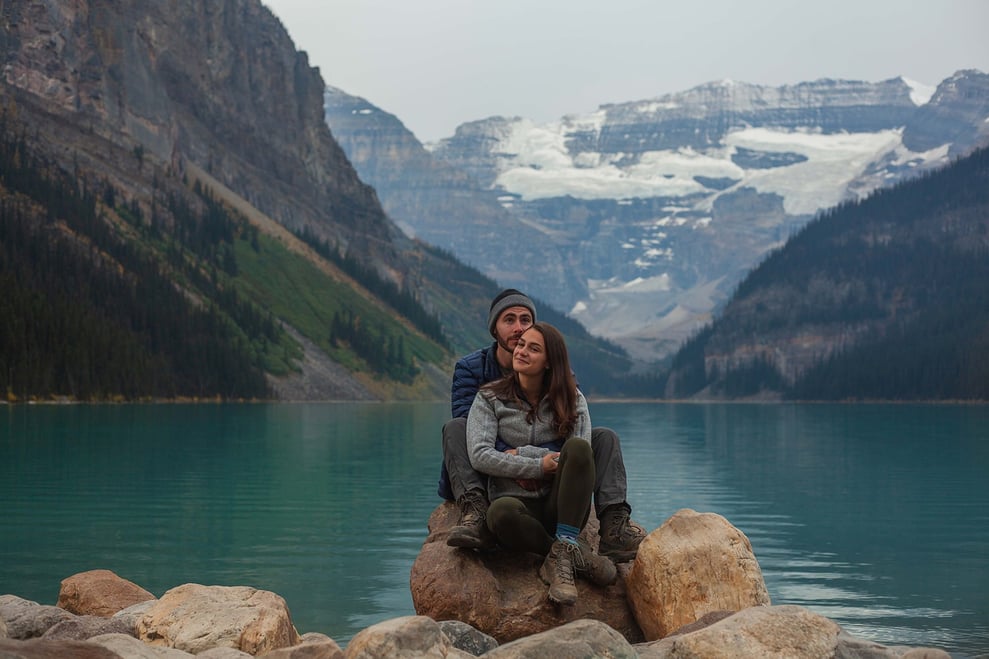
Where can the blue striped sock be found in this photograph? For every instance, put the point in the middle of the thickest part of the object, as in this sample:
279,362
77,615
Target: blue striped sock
567,533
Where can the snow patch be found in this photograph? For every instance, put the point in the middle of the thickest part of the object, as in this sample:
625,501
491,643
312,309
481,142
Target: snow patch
833,162
652,107
920,93
536,164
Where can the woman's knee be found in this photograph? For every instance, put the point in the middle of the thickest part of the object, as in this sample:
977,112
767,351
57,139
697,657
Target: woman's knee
577,451
504,512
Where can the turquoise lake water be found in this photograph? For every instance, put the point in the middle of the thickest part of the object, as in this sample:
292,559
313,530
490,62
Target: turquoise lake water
876,516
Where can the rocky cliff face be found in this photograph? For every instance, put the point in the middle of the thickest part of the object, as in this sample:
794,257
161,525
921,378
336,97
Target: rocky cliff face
145,99
440,202
657,208
175,78
956,115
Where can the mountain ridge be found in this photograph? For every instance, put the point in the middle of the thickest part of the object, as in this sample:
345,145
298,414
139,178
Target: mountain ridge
880,299
196,135
649,212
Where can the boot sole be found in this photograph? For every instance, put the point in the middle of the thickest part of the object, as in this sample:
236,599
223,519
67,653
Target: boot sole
618,555
564,601
469,542
600,581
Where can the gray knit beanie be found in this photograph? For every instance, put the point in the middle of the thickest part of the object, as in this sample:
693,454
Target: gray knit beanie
506,299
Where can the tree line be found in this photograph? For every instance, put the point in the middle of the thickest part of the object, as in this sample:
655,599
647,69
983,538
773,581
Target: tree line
403,300
92,316
906,269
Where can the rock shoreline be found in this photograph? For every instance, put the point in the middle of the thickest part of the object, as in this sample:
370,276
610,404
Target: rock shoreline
694,590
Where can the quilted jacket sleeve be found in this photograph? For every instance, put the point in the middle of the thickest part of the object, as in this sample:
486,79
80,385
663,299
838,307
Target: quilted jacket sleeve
468,376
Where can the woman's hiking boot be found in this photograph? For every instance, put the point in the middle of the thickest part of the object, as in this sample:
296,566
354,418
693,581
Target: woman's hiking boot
558,570
620,536
599,570
471,531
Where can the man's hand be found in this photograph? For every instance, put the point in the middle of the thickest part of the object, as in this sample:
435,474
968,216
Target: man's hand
551,462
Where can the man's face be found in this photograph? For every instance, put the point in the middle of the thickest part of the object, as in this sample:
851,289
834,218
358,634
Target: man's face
510,325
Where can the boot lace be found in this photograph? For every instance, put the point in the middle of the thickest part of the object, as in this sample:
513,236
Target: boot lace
619,527
567,562
473,509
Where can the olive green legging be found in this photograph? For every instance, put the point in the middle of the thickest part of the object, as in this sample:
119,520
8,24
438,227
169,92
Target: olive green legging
522,524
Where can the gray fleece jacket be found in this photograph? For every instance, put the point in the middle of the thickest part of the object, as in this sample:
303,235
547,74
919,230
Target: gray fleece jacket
491,419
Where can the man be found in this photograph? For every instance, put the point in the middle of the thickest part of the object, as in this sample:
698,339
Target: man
511,313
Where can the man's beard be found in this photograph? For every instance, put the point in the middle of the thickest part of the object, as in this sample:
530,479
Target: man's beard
504,344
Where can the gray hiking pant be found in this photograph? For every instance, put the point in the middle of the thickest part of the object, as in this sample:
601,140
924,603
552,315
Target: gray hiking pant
610,482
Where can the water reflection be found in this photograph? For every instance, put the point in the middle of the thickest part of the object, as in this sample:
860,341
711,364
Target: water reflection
875,516
871,515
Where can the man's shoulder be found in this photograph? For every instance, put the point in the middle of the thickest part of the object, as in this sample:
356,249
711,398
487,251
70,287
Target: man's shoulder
476,359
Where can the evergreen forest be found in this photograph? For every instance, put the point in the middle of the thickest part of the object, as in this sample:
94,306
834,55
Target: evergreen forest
171,296
899,281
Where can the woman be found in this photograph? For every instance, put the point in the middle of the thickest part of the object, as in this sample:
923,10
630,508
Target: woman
530,433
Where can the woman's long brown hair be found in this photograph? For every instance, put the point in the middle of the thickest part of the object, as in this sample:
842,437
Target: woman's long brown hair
559,384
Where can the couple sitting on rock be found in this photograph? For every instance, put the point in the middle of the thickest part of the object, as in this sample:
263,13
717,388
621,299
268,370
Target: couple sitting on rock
521,438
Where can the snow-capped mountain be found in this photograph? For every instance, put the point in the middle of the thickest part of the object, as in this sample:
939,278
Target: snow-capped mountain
645,215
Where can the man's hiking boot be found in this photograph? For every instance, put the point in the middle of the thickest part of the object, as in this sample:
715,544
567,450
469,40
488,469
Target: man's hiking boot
471,531
558,570
620,537
599,570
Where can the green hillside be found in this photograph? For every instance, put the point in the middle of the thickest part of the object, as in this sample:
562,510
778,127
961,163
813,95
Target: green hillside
172,296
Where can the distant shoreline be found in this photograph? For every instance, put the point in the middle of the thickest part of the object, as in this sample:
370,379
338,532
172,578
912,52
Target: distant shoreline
60,401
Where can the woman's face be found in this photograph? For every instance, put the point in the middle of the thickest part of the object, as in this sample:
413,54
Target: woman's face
529,356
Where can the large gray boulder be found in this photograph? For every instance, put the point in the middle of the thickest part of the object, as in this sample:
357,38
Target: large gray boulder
409,637
575,640
42,648
26,619
81,628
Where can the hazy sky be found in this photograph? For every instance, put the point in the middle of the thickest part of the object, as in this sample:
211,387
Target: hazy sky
438,63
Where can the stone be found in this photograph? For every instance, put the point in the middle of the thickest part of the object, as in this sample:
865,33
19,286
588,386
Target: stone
581,638
99,593
195,618
500,593
223,653
792,632
40,648
133,614
81,628
851,647
133,648
920,653
26,619
313,646
400,638
694,564
466,638
783,632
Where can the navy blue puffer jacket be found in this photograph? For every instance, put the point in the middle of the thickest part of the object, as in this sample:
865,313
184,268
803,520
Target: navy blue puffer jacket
470,374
